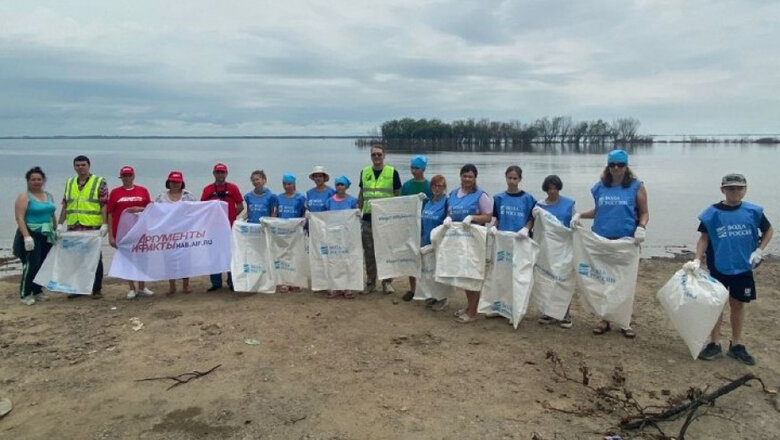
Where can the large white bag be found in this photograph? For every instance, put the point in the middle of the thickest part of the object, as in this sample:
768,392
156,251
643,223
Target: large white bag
427,287
510,277
287,245
693,300
336,250
395,226
71,264
251,263
554,270
461,252
606,273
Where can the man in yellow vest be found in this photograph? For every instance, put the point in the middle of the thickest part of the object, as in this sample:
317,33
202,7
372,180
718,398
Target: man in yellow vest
84,209
376,181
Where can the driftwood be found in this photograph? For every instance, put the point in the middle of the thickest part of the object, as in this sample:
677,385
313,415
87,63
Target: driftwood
181,378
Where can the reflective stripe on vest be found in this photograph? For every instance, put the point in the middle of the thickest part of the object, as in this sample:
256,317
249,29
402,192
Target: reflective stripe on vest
378,188
83,206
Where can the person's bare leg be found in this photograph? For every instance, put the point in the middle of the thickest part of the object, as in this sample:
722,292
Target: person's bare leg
472,297
737,320
715,333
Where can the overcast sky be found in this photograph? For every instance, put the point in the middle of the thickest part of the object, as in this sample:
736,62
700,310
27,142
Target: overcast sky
231,67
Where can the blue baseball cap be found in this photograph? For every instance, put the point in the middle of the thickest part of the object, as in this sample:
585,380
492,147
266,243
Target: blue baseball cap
419,162
617,156
342,180
288,178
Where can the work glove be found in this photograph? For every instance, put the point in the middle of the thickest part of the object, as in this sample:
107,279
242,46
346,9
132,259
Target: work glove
575,221
422,196
29,244
692,265
756,257
447,221
61,229
535,211
103,230
523,232
467,221
639,234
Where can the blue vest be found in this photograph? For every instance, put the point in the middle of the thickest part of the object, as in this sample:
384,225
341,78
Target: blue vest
291,207
259,206
733,236
562,210
513,212
349,202
433,214
315,200
465,206
616,214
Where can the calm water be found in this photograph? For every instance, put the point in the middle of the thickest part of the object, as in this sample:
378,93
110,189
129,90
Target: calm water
681,179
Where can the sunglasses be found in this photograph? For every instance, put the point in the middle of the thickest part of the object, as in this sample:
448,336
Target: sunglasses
377,154
733,188
616,165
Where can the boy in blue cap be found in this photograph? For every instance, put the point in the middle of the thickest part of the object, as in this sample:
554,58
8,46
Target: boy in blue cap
416,185
733,237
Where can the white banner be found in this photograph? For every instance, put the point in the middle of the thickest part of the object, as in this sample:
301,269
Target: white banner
335,250
510,277
554,270
251,264
71,264
606,272
396,228
287,245
461,252
174,240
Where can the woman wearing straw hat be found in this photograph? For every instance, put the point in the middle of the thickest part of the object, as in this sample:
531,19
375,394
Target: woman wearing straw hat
319,195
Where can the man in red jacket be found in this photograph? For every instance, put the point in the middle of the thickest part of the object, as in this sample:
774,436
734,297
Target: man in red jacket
229,193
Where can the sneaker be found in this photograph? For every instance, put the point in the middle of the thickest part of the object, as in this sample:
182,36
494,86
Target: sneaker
145,291
710,352
565,322
97,295
131,294
213,288
739,352
28,300
408,296
370,287
387,288
545,320
439,305
41,297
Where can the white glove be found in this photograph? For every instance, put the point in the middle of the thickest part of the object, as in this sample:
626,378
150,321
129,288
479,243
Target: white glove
359,213
756,257
61,228
575,221
103,230
447,221
639,234
523,232
422,196
29,244
692,265
467,221
535,211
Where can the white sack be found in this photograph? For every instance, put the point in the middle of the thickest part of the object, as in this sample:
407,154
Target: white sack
396,228
693,300
287,244
554,270
606,272
336,250
71,264
460,255
510,277
251,263
427,287
173,240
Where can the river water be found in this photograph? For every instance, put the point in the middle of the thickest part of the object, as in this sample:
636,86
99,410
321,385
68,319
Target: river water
681,179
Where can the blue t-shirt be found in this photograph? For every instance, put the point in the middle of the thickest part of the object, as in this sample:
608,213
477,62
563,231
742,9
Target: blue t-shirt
291,207
616,209
315,200
433,215
259,205
733,235
513,210
563,209
349,202
461,207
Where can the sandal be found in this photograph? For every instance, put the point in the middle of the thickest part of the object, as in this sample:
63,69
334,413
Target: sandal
602,328
284,289
349,294
628,332
334,294
460,312
465,318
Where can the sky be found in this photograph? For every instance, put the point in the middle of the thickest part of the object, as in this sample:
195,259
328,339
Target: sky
342,67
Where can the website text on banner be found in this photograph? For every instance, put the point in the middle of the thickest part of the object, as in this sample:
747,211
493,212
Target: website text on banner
251,263
335,250
174,240
395,225
287,245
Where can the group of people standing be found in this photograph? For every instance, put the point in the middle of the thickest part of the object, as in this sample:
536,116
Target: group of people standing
620,210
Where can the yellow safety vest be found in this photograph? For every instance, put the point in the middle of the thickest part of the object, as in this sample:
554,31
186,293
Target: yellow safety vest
83,206
376,188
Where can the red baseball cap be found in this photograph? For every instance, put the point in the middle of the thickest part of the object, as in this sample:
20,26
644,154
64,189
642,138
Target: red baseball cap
175,176
220,167
126,171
